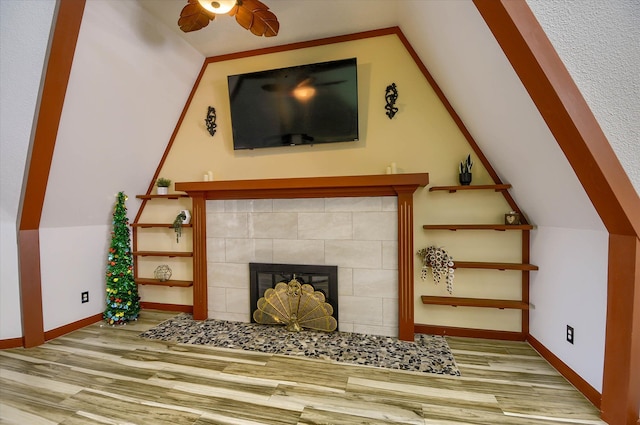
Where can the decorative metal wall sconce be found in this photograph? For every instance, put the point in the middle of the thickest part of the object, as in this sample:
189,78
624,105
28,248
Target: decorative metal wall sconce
391,95
210,121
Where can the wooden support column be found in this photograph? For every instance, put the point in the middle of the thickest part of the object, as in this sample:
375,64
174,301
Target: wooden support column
199,216
621,380
405,264
62,46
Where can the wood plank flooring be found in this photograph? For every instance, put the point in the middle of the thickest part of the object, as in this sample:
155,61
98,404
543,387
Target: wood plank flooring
106,375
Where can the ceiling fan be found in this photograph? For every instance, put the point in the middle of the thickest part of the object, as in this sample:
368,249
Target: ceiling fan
250,14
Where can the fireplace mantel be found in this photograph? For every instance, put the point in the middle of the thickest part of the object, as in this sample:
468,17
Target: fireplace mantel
307,187
401,185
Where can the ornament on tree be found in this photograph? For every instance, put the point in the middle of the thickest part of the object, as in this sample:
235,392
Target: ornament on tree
123,302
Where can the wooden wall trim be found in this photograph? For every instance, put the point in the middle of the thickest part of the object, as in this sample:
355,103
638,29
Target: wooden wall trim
583,142
469,332
460,124
166,307
62,46
576,380
11,343
621,380
70,327
304,44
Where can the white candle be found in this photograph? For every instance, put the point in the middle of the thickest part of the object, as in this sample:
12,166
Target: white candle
394,169
388,170
210,174
205,177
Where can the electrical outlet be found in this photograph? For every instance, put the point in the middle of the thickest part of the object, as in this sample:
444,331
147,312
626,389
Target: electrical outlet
85,297
569,334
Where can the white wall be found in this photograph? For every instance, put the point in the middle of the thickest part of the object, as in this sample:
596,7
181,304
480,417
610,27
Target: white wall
103,145
22,53
130,79
568,290
599,43
69,271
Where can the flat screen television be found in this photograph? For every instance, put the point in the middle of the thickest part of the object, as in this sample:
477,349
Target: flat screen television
299,105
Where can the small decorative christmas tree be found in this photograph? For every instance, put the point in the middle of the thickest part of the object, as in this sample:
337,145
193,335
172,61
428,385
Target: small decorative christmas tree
123,303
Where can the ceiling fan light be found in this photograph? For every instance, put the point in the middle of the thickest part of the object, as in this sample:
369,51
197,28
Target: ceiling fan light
219,7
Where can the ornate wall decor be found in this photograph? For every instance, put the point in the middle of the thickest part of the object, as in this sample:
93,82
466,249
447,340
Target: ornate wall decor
441,264
296,306
210,121
391,95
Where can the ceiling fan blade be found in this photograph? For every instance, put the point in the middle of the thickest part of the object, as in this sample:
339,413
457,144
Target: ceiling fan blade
256,17
194,17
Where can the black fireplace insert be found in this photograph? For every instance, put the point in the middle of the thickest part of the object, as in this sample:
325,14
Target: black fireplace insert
264,276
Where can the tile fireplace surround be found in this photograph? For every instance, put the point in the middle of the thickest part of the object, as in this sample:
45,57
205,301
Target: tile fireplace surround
359,235
362,224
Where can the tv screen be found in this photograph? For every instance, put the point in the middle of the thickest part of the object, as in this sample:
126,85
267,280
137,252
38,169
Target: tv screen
300,105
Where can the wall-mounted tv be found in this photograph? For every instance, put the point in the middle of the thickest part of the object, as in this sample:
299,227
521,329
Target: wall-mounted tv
299,105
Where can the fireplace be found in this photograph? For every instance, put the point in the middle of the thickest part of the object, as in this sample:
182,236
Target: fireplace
263,276
219,287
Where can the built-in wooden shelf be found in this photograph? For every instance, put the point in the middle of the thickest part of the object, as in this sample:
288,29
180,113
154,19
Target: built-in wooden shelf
162,254
492,266
179,283
307,187
168,196
500,227
452,189
164,225
475,302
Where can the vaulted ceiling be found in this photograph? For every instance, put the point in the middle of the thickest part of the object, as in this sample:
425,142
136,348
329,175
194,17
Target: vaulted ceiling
453,41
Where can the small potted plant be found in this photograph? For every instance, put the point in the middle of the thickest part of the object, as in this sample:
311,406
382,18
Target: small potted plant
465,171
163,186
177,225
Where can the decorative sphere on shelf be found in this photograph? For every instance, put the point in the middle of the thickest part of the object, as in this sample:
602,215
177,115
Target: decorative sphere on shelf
162,273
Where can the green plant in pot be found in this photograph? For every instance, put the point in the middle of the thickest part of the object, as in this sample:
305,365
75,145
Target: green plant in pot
177,225
465,171
163,185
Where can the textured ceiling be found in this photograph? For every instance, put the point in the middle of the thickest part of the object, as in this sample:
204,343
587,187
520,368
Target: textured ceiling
300,20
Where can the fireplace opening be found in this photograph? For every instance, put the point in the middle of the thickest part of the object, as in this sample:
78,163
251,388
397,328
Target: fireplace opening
264,276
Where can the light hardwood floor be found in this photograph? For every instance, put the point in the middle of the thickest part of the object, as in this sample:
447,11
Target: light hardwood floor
106,375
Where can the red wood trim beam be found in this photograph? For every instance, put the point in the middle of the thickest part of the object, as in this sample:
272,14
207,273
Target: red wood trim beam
565,111
621,381
56,78
459,123
586,147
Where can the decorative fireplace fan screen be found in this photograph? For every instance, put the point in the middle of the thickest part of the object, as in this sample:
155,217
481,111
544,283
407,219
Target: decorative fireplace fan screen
296,306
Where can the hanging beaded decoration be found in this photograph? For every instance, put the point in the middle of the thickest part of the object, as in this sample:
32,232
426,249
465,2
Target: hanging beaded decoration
440,263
